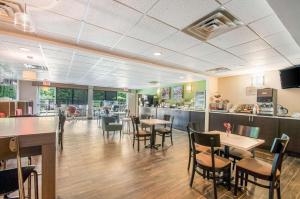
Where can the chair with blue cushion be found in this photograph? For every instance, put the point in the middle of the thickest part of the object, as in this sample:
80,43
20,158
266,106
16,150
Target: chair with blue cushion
109,124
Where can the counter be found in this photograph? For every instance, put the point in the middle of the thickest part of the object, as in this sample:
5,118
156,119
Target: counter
181,117
270,127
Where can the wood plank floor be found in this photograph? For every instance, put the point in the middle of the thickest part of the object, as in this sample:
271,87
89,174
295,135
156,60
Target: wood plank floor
93,166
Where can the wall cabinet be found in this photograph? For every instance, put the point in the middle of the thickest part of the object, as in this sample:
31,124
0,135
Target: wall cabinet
292,129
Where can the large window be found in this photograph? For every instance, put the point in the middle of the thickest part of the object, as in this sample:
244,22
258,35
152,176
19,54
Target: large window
8,91
47,99
98,97
122,98
71,96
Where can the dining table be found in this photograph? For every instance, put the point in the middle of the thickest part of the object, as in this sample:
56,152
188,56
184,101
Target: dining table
37,136
152,123
237,141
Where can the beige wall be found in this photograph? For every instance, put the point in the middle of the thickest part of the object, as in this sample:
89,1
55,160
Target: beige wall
234,89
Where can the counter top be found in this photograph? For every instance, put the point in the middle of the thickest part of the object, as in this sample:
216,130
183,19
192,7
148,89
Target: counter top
177,109
247,114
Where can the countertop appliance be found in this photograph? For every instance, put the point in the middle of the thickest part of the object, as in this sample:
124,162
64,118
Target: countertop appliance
267,101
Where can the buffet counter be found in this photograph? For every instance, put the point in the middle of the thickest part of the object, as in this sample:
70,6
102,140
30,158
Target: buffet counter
270,127
181,117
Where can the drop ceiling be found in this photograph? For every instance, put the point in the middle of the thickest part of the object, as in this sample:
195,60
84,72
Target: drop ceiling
139,28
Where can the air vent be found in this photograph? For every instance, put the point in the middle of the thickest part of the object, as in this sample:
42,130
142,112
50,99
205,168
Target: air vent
212,25
8,10
153,82
218,70
36,67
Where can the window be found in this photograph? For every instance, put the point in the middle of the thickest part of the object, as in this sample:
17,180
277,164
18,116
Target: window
122,98
63,96
8,91
47,99
98,97
80,96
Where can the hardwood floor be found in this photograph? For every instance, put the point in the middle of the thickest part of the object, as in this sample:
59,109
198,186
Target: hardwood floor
93,166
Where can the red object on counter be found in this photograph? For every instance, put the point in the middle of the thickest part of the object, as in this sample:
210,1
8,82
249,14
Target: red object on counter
2,115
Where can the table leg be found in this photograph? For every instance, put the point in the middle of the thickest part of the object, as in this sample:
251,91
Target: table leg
48,171
226,151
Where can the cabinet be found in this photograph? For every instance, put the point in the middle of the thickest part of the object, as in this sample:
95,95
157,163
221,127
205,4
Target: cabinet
217,120
181,119
198,117
291,127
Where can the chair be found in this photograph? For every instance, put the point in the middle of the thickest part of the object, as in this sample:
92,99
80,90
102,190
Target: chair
109,124
199,148
248,131
166,132
209,162
143,117
263,170
12,180
138,133
61,129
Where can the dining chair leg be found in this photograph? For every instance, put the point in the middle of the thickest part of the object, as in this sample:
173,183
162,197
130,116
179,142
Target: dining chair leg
163,140
29,180
229,178
120,133
171,136
144,140
36,185
246,179
215,185
278,191
138,144
133,141
236,184
271,190
193,174
103,132
189,163
242,179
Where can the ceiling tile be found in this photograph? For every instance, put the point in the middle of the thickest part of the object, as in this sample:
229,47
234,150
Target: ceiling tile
199,50
223,58
281,38
54,23
151,30
223,1
97,35
292,51
70,8
234,37
140,5
132,45
112,15
249,47
249,10
267,26
181,13
187,62
262,54
179,42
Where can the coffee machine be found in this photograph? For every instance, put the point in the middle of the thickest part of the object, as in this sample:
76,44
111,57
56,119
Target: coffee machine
267,101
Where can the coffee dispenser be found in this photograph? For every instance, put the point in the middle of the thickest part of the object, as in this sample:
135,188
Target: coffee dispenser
267,101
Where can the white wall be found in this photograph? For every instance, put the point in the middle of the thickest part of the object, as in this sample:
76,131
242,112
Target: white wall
29,93
234,89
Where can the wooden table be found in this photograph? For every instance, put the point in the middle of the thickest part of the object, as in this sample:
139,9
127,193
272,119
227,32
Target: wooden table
152,123
36,135
237,141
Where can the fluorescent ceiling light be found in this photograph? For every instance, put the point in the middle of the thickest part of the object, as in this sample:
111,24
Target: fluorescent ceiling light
181,77
157,54
24,49
23,22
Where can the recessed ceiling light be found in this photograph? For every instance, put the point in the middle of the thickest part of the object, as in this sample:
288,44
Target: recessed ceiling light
181,77
24,49
157,54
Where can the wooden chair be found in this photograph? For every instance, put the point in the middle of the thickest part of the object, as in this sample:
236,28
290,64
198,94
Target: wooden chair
166,131
61,129
209,162
138,133
12,180
238,154
263,170
195,127
143,117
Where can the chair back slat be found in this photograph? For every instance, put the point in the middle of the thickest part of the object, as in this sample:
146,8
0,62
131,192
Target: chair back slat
279,148
135,123
249,131
167,117
205,139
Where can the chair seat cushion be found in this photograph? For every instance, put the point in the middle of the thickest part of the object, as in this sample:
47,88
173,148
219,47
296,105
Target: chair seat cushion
163,130
9,179
143,133
204,159
256,166
240,153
